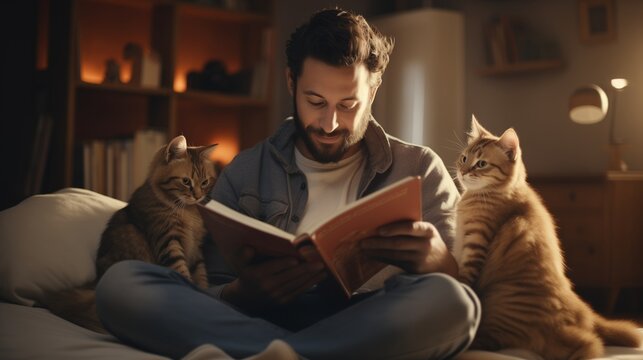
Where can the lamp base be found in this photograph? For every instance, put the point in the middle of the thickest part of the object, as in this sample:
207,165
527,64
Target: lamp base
616,162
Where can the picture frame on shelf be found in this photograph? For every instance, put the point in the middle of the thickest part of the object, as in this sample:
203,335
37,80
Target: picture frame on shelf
596,21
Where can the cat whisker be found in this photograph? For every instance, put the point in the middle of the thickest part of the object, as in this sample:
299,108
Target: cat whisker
458,143
458,138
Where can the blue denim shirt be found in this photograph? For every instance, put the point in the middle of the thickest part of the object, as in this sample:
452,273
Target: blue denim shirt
264,182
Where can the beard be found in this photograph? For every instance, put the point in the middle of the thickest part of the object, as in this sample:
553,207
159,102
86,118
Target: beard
325,153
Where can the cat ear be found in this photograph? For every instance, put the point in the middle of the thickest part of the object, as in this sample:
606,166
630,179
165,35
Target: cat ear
510,144
176,149
205,151
477,130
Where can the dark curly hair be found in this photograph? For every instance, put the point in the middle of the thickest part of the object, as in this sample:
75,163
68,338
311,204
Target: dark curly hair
339,38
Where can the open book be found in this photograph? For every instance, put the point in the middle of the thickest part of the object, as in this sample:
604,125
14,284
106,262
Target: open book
336,238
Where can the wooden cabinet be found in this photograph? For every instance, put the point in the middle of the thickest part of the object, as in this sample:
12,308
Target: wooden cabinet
84,34
600,225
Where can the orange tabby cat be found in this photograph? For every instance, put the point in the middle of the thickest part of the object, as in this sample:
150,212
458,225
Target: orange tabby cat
508,252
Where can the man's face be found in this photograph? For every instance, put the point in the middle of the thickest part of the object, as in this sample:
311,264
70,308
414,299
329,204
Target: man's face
332,108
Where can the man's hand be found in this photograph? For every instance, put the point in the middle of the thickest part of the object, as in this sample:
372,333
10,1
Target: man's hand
271,282
416,247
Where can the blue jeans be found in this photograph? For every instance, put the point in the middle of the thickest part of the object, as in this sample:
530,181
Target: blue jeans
414,317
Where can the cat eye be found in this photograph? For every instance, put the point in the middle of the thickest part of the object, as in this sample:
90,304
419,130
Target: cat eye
205,182
480,164
186,181
464,159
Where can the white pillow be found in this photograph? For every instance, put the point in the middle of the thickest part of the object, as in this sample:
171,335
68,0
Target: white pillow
49,242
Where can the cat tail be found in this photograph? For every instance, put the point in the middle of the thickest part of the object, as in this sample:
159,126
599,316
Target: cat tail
77,305
617,332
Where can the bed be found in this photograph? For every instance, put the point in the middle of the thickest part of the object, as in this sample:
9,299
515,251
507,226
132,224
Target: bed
49,241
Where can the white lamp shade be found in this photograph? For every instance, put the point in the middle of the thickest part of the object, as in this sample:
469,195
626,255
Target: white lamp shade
588,105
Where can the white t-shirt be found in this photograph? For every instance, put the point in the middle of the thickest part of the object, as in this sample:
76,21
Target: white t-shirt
330,186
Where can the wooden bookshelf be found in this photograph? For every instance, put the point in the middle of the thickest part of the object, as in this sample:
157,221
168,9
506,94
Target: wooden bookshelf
122,88
222,100
84,34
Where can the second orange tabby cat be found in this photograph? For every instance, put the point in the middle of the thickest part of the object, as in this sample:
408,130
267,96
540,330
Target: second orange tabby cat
509,253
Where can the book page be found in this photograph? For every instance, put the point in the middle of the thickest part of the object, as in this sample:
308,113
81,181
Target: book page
231,230
247,220
338,239
359,202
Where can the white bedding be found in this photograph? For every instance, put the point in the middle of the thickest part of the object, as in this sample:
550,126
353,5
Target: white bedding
48,242
33,333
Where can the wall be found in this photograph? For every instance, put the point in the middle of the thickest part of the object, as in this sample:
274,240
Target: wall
534,104
421,99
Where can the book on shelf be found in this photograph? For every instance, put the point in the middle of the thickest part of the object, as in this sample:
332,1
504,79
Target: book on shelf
98,166
122,165
146,144
117,166
336,238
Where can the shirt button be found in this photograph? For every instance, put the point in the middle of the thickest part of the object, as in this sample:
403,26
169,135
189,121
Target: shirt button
295,218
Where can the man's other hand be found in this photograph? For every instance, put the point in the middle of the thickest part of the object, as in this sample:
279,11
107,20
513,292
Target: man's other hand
271,282
414,246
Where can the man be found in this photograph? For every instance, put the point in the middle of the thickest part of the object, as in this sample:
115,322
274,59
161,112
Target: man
329,154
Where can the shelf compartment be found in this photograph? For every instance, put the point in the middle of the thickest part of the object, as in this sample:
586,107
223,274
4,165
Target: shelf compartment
114,114
100,39
220,99
124,88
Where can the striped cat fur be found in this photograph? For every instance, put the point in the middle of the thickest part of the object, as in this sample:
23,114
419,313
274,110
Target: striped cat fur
160,225
508,251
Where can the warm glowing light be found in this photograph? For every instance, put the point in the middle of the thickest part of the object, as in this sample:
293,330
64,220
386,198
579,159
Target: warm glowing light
91,75
94,73
619,84
227,149
179,82
126,72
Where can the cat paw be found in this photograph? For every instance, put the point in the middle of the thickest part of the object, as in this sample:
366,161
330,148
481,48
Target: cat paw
186,274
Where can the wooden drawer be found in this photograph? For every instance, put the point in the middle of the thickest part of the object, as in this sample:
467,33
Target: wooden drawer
600,226
571,195
626,231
